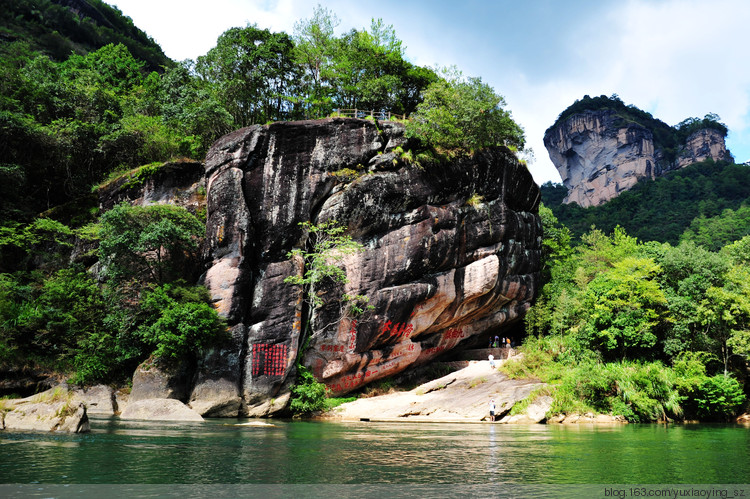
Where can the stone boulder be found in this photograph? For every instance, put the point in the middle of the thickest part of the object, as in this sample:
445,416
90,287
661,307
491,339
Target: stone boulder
99,399
56,409
451,254
216,393
536,412
153,380
587,418
160,410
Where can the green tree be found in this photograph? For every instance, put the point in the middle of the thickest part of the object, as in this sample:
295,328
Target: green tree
180,322
463,114
253,72
308,394
192,109
725,313
155,243
718,398
327,247
688,271
623,309
314,51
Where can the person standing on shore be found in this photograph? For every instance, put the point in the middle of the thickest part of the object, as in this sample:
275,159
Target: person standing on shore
492,410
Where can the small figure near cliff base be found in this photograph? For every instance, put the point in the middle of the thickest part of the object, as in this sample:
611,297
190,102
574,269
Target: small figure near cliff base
492,410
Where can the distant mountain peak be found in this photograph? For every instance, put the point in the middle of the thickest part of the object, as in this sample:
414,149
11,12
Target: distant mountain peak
601,147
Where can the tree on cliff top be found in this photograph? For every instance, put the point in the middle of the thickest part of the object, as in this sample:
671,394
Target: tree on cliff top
460,113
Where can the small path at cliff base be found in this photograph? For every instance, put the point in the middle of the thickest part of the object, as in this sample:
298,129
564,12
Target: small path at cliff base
463,395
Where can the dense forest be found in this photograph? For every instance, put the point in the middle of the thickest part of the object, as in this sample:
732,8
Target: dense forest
646,316
649,330
703,200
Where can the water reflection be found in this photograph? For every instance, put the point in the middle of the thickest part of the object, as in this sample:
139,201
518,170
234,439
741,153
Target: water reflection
351,453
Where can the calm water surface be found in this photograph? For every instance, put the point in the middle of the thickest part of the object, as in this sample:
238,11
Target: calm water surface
218,451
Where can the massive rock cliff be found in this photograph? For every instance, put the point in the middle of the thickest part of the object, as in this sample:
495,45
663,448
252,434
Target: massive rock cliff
702,145
599,155
451,255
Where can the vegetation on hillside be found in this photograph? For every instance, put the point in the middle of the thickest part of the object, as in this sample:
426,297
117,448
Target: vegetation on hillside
140,305
53,29
649,319
644,329
675,207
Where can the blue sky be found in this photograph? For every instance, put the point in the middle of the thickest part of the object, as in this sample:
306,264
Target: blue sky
673,58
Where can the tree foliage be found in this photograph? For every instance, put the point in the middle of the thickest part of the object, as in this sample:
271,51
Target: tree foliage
617,313
460,113
328,246
152,243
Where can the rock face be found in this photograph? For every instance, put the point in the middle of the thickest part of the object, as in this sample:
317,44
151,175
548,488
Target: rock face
536,412
463,395
181,183
702,145
56,409
158,409
99,399
451,252
152,381
599,155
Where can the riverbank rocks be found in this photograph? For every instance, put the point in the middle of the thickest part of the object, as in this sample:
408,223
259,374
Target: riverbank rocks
98,399
160,410
587,418
153,380
463,395
536,412
56,409
451,254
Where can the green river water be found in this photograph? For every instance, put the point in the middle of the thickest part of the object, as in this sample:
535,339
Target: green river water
315,452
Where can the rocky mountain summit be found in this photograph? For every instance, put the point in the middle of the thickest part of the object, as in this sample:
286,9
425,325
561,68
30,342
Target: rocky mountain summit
599,154
451,255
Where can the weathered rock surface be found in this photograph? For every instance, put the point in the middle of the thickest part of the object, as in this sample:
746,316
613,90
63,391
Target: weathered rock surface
702,145
599,155
217,390
588,418
157,409
181,183
463,395
536,412
99,399
439,270
53,410
154,381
